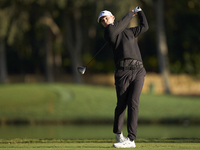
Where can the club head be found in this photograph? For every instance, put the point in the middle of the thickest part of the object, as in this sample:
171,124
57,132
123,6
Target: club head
81,69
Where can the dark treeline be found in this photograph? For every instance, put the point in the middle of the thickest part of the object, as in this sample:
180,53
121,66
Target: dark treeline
51,37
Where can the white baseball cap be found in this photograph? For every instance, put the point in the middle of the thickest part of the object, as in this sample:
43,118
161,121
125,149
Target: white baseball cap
104,13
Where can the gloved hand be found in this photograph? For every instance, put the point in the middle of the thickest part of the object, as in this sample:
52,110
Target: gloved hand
137,9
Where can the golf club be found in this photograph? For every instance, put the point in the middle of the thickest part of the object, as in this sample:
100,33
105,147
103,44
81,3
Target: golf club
82,69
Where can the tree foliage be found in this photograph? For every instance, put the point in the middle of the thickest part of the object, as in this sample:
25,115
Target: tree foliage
76,36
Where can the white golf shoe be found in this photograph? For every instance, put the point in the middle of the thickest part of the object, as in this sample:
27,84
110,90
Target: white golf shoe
125,144
119,137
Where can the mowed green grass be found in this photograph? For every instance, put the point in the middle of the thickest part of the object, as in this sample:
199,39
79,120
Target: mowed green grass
86,102
95,146
158,144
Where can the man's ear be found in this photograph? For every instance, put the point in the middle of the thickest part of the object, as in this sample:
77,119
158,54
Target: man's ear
114,18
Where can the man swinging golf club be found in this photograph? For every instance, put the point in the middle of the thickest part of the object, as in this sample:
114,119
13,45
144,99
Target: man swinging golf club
129,73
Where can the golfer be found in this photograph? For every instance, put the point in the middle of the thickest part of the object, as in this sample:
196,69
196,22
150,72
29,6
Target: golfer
129,73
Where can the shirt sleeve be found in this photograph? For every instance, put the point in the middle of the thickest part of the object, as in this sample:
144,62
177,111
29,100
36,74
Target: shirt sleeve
143,25
116,28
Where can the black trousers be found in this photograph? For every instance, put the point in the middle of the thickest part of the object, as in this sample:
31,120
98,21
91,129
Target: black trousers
129,84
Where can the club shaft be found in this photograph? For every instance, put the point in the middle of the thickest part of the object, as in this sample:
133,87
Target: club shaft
96,54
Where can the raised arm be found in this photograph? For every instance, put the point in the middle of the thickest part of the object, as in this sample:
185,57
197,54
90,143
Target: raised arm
143,24
116,28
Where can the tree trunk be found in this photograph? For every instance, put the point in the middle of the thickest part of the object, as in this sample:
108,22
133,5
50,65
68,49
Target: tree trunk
162,46
3,69
47,19
74,42
49,56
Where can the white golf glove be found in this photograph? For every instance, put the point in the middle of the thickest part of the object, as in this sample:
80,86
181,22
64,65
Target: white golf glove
137,9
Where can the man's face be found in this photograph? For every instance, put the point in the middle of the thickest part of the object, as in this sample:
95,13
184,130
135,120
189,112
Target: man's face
106,20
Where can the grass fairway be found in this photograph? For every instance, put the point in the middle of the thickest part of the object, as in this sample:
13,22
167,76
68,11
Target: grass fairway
95,146
83,102
148,144
70,102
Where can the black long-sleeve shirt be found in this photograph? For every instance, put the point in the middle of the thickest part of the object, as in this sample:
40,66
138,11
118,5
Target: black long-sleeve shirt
122,39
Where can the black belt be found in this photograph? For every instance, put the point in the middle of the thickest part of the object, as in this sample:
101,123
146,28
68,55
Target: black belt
130,67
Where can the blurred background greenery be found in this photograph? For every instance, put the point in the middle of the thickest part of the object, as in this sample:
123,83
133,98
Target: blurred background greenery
52,38
69,111
43,41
